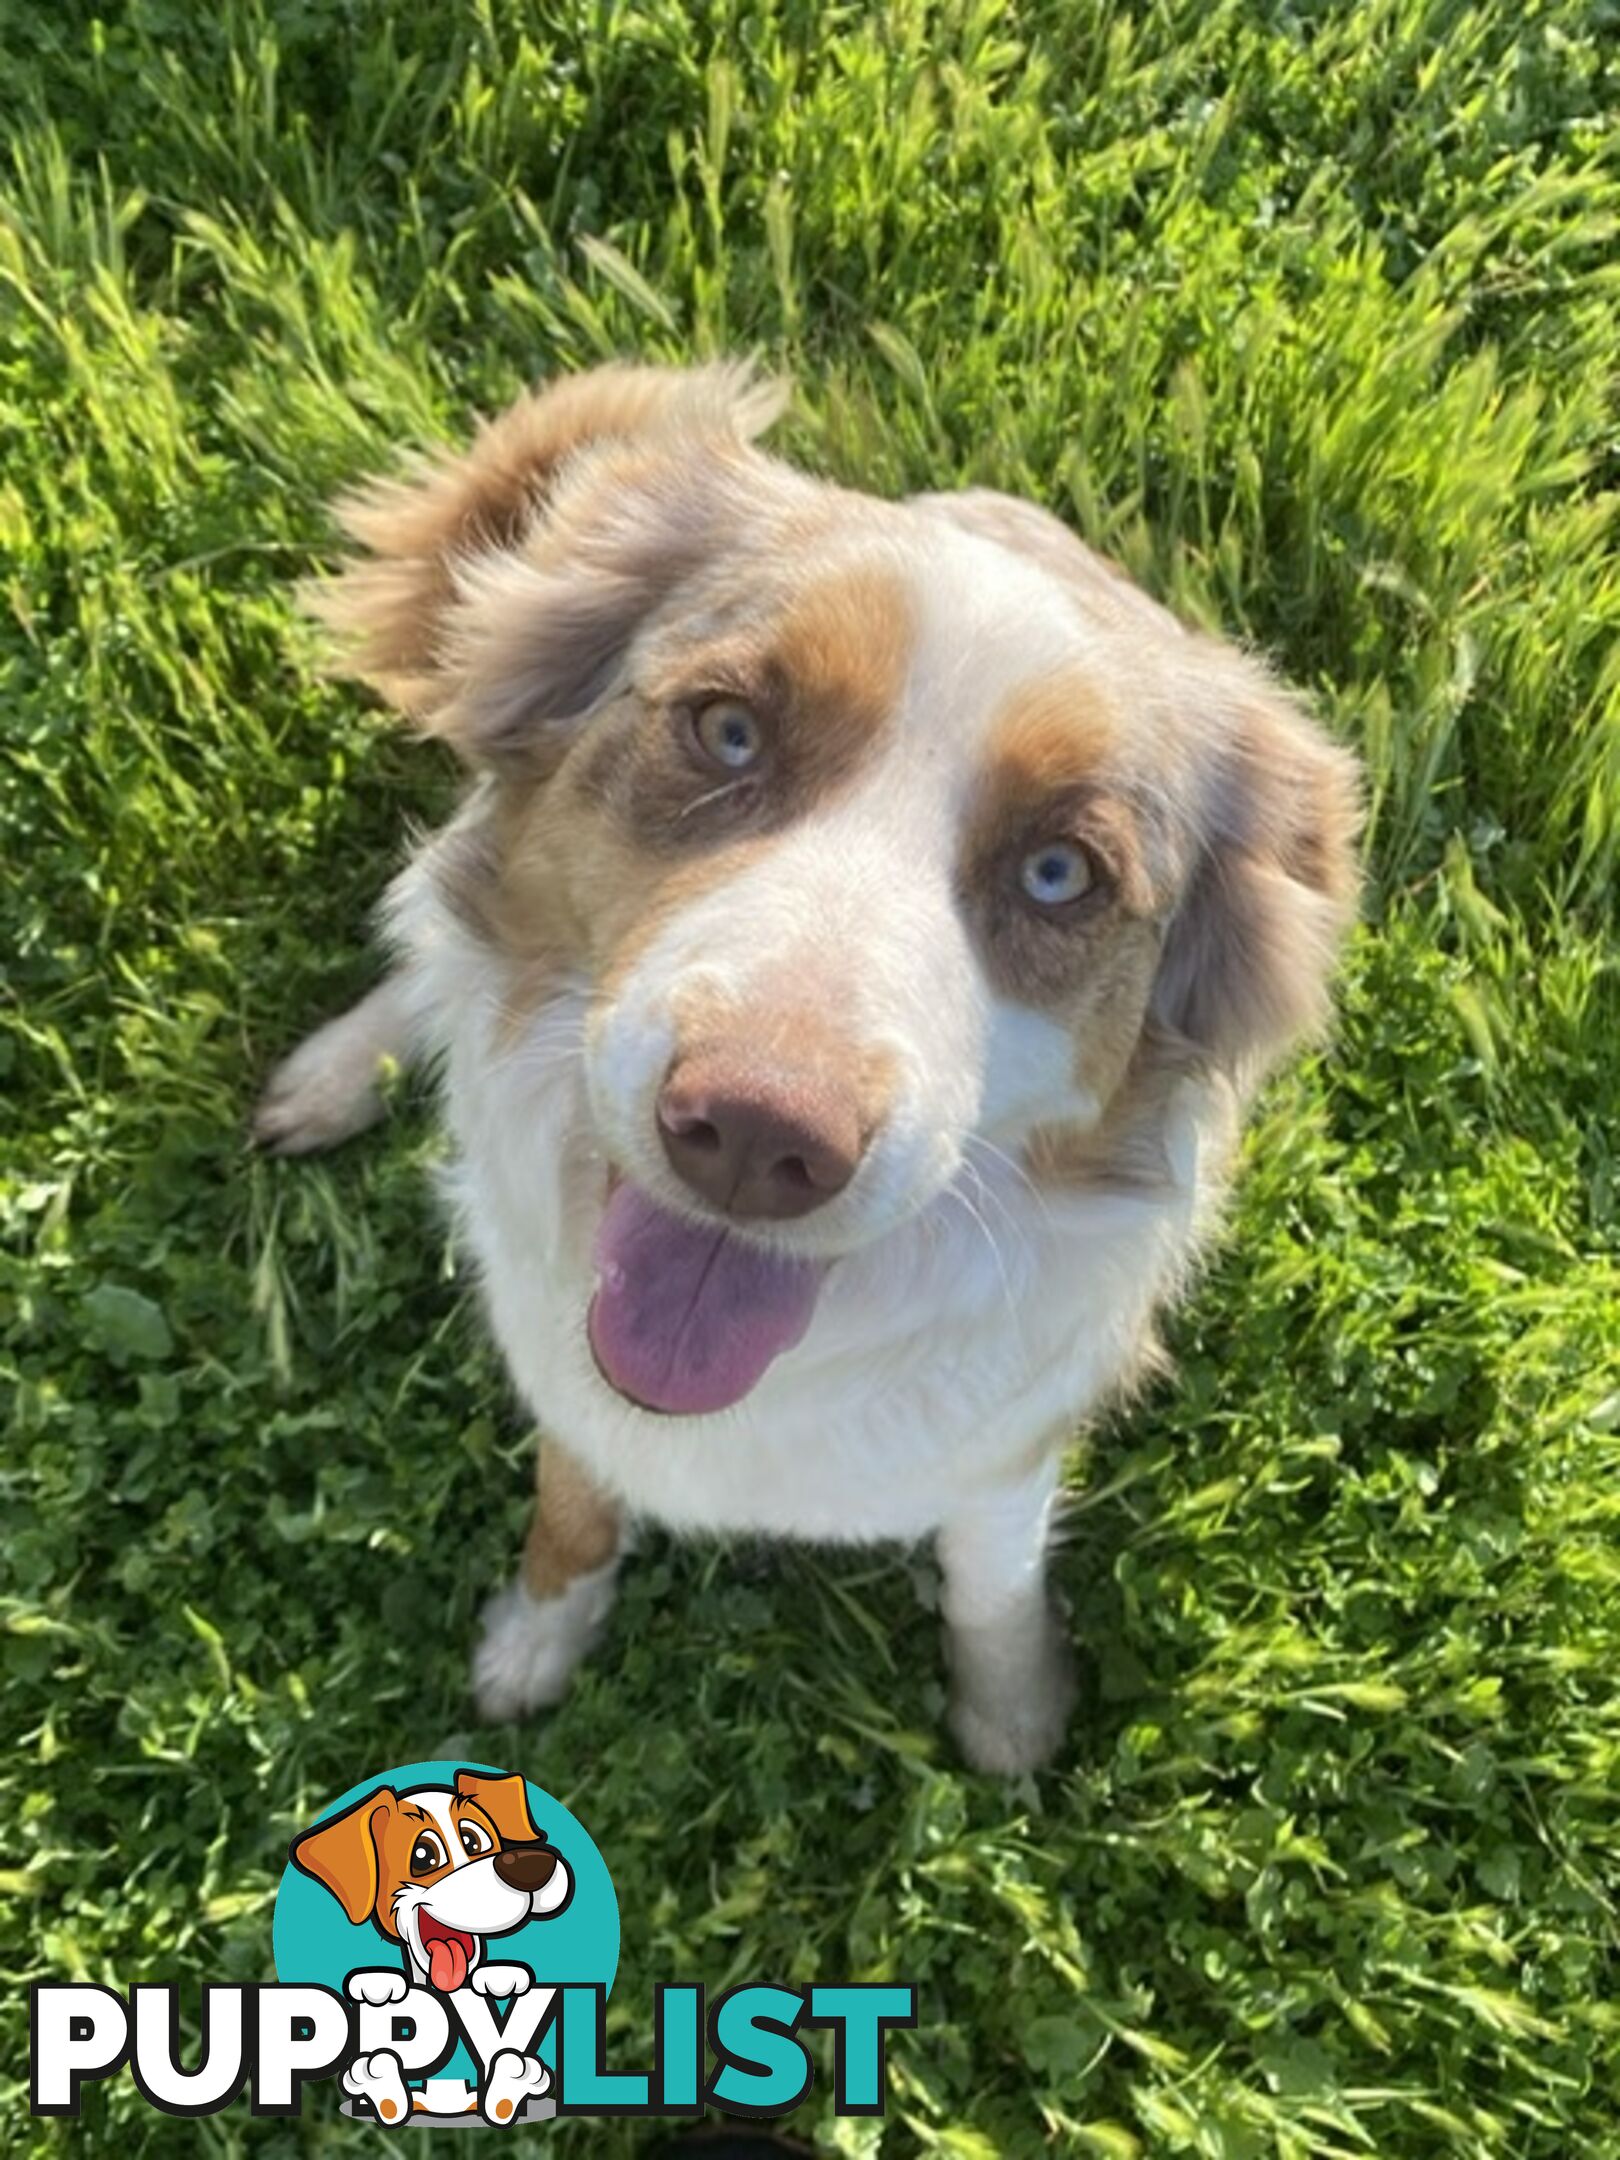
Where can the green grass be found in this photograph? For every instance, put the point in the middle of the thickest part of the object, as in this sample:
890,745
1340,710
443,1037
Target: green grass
1309,313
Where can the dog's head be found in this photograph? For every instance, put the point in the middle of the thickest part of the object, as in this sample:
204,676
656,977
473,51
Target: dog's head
869,834
439,1869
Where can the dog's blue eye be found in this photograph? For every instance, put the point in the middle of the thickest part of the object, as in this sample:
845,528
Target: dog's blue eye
730,734
1054,875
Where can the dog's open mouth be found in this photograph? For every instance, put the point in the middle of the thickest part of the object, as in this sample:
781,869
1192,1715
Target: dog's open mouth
687,1316
449,1952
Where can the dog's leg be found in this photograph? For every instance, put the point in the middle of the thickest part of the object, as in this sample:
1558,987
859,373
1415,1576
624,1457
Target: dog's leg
539,1627
1012,1670
330,1087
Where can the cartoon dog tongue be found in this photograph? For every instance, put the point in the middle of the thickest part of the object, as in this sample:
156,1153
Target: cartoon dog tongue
447,1962
686,1316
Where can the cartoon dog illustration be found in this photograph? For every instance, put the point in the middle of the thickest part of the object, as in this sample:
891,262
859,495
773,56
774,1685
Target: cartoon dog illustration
439,1870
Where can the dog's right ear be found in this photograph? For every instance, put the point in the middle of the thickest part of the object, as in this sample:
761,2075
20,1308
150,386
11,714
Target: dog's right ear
505,1800
501,583
342,1853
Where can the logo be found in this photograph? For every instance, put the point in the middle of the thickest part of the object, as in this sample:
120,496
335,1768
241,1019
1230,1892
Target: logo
446,1935
448,1903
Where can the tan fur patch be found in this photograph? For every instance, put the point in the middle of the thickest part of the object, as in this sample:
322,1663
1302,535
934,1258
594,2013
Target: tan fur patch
839,658
579,874
1127,1148
576,1528
390,609
823,674
1050,776
1226,823
1052,735
1249,954
502,1801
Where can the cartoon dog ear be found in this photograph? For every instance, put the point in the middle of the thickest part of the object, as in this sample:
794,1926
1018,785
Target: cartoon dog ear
1250,950
342,1853
467,617
505,1801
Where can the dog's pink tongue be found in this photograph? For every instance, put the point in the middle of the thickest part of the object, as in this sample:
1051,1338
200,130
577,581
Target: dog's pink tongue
447,1964
686,1318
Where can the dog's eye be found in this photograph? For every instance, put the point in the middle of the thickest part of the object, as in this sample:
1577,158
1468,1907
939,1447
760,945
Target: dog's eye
730,734
427,1854
474,1840
1055,875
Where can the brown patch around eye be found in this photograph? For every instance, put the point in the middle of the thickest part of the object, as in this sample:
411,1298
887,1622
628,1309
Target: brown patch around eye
842,653
821,679
1055,775
571,873
564,893
1052,736
1048,781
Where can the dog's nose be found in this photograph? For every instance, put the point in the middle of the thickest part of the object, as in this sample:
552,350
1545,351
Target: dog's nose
525,1867
758,1140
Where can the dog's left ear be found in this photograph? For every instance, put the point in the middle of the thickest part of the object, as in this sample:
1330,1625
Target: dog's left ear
500,584
342,1853
505,1801
1249,953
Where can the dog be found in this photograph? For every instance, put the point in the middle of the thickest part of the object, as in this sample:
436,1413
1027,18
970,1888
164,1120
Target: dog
865,927
438,1871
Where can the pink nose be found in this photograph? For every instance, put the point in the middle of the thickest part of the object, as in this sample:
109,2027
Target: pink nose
759,1140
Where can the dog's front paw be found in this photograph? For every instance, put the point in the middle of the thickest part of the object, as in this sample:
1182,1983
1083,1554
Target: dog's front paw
531,1646
500,1980
1016,1727
328,1090
513,2079
376,1988
379,2078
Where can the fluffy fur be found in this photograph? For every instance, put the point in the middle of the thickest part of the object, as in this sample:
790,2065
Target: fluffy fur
1049,1096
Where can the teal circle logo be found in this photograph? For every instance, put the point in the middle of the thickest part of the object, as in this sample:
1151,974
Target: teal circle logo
447,1901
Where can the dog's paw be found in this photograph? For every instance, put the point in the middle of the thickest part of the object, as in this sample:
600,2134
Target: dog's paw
531,1646
376,1988
328,1090
1017,1728
500,1980
379,2079
513,2079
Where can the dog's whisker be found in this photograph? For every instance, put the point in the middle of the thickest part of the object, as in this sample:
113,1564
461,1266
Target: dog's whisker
702,802
978,1145
993,1198
956,1193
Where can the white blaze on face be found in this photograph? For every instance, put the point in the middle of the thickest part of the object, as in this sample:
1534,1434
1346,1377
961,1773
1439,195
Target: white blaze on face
443,1923
1029,1076
853,914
